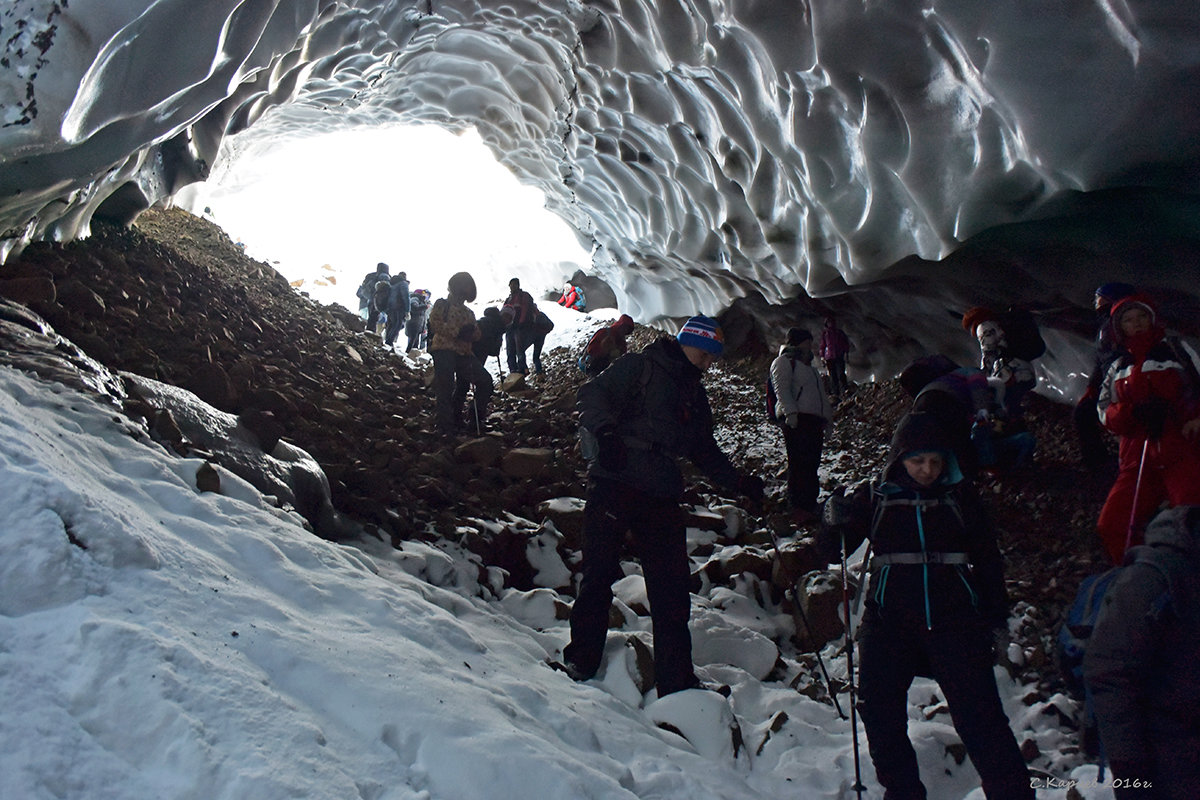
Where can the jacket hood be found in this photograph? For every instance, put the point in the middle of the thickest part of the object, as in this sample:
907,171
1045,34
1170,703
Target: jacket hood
1177,527
920,433
1156,331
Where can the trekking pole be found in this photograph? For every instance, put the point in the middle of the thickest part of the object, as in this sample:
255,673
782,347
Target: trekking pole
500,366
1137,490
804,619
858,784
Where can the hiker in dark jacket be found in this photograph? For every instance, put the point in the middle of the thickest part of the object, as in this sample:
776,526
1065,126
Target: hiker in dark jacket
418,312
366,289
1142,665
646,411
935,595
397,308
491,335
1092,448
539,329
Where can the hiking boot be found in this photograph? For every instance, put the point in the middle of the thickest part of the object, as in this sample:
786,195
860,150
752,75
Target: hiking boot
572,671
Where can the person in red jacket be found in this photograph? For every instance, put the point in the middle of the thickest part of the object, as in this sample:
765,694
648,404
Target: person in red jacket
606,346
1145,399
518,312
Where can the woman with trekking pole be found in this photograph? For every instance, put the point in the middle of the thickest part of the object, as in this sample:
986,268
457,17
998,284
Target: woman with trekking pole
935,603
1150,397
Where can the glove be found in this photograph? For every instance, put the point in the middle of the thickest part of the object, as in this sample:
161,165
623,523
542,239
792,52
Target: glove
793,419
1152,415
752,487
838,508
467,332
613,455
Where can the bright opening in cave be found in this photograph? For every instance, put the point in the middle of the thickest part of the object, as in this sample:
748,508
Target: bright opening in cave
325,209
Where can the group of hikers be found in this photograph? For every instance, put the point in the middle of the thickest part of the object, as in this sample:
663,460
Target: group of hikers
936,604
385,300
935,598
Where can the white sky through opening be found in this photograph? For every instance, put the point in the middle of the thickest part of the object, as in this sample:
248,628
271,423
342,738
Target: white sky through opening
324,210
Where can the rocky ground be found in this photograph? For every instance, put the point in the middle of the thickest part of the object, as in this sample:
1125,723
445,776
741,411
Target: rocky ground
174,299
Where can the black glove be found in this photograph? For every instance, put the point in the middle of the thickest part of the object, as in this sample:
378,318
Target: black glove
752,487
612,455
1152,415
838,508
467,332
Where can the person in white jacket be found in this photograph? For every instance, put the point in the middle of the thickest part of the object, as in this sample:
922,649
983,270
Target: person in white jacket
803,411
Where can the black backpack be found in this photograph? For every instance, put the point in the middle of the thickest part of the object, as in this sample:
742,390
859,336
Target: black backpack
1021,332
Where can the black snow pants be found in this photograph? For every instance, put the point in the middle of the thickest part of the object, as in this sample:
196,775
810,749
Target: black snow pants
959,658
657,525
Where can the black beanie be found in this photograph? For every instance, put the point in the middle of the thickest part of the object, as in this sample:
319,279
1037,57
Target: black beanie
798,336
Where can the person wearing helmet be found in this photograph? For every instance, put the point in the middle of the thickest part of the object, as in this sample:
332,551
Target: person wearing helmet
452,332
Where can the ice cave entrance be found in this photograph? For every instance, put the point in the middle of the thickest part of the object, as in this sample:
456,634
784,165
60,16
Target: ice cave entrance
324,209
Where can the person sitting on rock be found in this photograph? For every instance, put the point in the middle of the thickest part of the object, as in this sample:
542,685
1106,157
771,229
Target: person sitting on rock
572,297
1002,439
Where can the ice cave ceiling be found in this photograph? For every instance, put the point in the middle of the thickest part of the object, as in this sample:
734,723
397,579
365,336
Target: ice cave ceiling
894,161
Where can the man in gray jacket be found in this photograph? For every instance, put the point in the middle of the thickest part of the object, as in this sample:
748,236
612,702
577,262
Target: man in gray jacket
802,410
1142,665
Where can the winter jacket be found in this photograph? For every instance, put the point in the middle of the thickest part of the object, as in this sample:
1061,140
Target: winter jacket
519,307
491,337
607,345
1142,665
798,386
398,301
655,402
1147,369
834,343
1011,379
572,297
908,523
366,289
452,327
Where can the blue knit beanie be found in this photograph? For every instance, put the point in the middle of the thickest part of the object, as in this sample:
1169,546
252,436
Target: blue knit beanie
703,333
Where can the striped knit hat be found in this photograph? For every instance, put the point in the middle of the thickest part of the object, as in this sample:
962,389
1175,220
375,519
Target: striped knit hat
703,333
